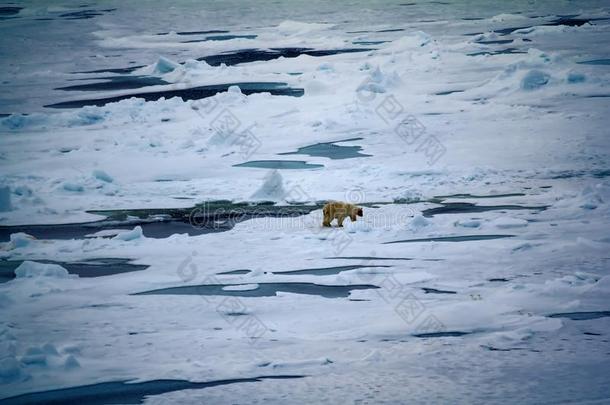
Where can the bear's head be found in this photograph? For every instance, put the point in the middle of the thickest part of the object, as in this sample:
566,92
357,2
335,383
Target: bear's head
356,211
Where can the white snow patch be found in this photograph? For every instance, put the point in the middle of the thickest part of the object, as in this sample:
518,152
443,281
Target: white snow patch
409,42
299,363
357,226
272,188
296,28
507,17
240,287
508,222
418,222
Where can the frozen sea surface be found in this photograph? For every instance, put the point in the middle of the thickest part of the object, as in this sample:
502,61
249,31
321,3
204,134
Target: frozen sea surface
161,233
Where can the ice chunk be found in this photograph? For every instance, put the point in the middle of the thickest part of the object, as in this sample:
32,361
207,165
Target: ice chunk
416,39
534,79
49,348
10,369
468,223
74,187
23,191
408,196
165,65
234,89
5,199
371,87
576,77
576,280
418,222
105,233
102,175
193,64
33,351
135,233
272,188
29,269
588,205
379,82
13,121
71,362
233,95
19,121
34,359
592,197
240,287
88,115
20,239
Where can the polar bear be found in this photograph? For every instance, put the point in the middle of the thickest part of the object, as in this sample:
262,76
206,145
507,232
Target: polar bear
340,210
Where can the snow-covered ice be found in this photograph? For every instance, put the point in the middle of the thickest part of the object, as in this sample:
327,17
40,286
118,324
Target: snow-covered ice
481,132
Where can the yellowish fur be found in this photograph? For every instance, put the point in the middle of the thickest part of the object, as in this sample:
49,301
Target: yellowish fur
339,210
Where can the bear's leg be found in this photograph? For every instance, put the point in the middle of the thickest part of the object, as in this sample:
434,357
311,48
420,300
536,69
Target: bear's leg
327,217
340,220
